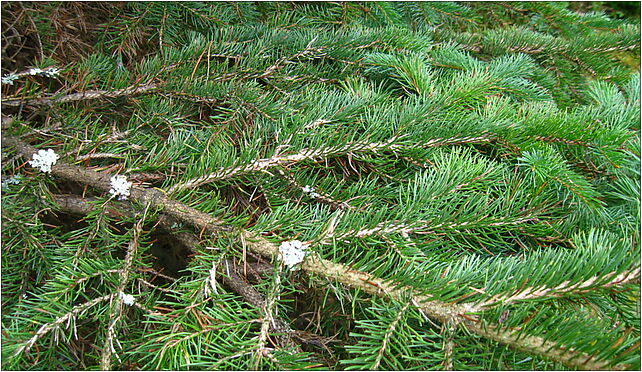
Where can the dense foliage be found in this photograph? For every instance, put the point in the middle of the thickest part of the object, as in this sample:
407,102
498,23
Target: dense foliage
464,179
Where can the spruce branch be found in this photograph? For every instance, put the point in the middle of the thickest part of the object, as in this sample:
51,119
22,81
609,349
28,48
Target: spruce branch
457,314
99,155
448,330
426,227
230,277
269,315
115,315
203,331
47,72
389,332
253,297
46,328
541,347
86,95
83,279
564,289
152,286
102,182
319,196
488,239
393,144
435,309
307,52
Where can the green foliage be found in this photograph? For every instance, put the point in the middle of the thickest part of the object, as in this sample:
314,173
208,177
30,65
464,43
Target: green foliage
477,156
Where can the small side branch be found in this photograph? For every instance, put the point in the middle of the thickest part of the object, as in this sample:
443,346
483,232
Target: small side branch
320,197
426,227
269,315
389,332
81,96
108,347
448,334
565,288
393,144
46,328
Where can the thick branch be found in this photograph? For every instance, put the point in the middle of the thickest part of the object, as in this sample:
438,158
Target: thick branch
101,181
438,310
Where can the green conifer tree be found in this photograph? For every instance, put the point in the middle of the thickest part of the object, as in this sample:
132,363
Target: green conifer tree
346,185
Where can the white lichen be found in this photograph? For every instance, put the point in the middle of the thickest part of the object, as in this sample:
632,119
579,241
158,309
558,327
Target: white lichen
120,187
44,159
292,252
127,299
311,191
